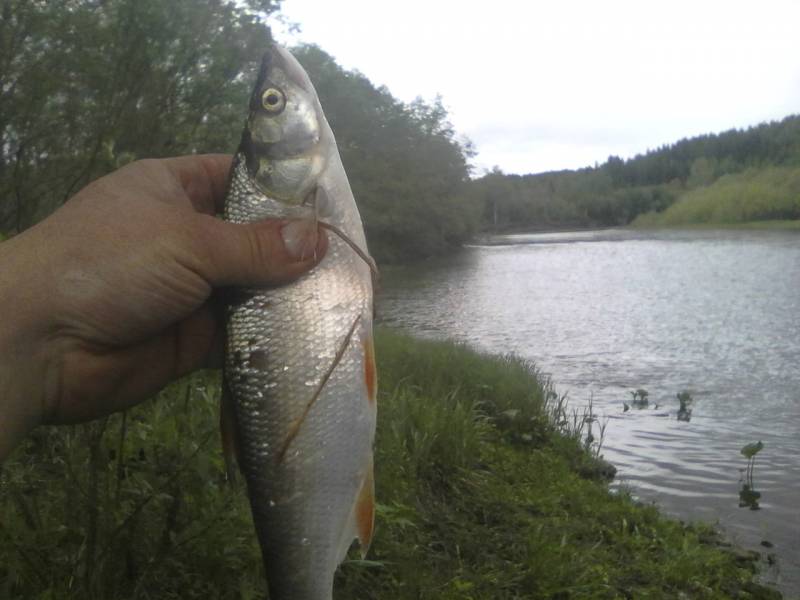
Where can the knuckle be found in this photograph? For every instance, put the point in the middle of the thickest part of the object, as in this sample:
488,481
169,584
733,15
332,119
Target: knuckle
145,164
261,252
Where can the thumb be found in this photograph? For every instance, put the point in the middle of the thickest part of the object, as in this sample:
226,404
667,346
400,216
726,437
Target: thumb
263,253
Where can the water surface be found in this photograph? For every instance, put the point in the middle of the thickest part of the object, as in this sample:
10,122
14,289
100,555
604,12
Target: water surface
607,312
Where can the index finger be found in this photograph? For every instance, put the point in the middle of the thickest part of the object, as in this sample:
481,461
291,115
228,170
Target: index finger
204,178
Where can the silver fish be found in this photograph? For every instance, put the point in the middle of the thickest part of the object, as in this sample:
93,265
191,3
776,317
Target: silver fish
300,380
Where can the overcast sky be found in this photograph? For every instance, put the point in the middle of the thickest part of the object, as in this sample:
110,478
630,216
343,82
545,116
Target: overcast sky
541,86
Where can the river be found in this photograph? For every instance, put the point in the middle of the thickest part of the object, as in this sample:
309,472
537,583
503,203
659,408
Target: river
603,313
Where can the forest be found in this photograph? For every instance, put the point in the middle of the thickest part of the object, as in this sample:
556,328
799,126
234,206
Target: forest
737,176
87,86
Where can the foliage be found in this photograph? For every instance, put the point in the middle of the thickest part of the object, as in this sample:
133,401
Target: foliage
133,506
88,85
733,176
472,504
700,160
753,195
407,168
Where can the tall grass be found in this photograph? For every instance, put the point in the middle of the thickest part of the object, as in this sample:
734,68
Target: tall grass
478,483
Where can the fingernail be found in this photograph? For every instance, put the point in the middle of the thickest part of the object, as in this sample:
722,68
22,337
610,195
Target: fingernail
300,239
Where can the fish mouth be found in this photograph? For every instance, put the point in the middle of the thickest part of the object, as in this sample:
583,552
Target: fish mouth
282,58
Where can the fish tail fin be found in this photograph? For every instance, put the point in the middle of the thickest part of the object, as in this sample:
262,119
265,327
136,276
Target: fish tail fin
227,426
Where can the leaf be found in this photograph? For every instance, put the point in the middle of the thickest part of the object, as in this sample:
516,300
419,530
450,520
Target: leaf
750,450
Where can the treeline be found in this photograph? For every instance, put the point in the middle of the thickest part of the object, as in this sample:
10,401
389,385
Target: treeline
618,191
89,85
702,159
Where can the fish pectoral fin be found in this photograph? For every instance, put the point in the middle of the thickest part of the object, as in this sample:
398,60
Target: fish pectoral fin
227,426
361,523
362,254
321,202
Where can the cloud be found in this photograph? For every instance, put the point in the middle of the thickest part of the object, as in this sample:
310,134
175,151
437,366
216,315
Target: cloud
539,82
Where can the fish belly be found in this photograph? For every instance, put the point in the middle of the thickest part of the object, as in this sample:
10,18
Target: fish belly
305,448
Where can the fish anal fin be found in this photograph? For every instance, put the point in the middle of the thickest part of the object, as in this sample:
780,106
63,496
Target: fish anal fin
360,524
227,426
365,511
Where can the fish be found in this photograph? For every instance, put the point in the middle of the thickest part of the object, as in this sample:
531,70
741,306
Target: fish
299,377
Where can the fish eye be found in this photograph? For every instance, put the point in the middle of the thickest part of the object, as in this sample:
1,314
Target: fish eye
273,100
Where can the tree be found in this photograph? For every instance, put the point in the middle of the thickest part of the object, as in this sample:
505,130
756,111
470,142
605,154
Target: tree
87,85
405,163
702,172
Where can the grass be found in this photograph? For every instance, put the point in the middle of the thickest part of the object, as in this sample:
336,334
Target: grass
767,198
484,483
772,225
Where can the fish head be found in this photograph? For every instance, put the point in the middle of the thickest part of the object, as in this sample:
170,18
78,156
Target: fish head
284,138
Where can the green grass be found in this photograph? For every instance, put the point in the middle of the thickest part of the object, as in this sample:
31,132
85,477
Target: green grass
769,195
478,484
787,225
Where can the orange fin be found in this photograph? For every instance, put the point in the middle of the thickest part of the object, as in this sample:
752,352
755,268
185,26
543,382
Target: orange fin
227,426
365,511
361,523
370,372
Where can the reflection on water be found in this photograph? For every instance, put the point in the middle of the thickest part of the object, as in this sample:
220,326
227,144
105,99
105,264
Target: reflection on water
715,315
748,497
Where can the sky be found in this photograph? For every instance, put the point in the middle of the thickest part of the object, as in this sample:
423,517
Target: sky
563,84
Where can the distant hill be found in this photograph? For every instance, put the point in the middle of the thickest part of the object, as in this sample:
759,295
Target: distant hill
737,175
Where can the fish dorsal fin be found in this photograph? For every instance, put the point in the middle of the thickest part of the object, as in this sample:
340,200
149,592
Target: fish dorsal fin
361,523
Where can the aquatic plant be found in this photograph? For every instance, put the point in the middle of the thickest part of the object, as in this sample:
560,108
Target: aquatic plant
749,451
639,398
685,410
748,495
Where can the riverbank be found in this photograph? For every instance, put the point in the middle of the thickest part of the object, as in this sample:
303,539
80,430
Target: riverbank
773,225
485,489
490,480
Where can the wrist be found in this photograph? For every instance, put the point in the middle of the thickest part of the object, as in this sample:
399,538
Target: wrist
22,357
17,415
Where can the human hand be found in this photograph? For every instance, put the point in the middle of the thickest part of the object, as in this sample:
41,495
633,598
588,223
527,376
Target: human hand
108,299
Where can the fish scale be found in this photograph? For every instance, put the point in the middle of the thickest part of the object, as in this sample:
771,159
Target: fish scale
298,366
